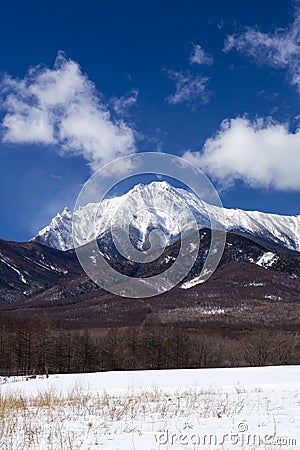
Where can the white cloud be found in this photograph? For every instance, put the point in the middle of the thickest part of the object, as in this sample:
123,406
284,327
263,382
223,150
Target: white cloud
296,80
189,88
62,107
280,49
29,125
199,56
262,154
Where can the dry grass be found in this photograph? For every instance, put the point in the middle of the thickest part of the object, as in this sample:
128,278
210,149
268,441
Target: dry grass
54,420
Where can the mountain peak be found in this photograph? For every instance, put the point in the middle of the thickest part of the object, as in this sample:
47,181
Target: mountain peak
66,212
153,185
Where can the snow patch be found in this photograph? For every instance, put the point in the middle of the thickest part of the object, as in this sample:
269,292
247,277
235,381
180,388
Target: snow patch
193,282
268,259
169,258
272,297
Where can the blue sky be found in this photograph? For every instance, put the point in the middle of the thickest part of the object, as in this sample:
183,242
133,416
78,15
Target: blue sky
85,82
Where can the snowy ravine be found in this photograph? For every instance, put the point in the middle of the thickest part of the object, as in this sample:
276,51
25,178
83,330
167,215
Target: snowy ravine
284,230
242,408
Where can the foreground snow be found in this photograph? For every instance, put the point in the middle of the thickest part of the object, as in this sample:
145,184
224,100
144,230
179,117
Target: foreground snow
245,408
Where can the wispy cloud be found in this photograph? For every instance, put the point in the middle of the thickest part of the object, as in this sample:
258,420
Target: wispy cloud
262,154
189,88
199,56
122,104
280,49
62,107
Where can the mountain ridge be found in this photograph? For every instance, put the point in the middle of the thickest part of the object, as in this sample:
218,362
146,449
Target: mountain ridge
279,229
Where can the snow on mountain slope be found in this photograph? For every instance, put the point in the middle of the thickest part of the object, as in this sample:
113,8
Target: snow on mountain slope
5,260
144,217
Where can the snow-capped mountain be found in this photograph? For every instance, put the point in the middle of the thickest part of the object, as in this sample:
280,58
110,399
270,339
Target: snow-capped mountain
159,205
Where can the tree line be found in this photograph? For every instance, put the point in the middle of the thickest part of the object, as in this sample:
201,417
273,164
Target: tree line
35,346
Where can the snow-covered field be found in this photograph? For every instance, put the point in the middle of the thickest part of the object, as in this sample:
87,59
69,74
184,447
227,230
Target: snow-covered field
244,408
